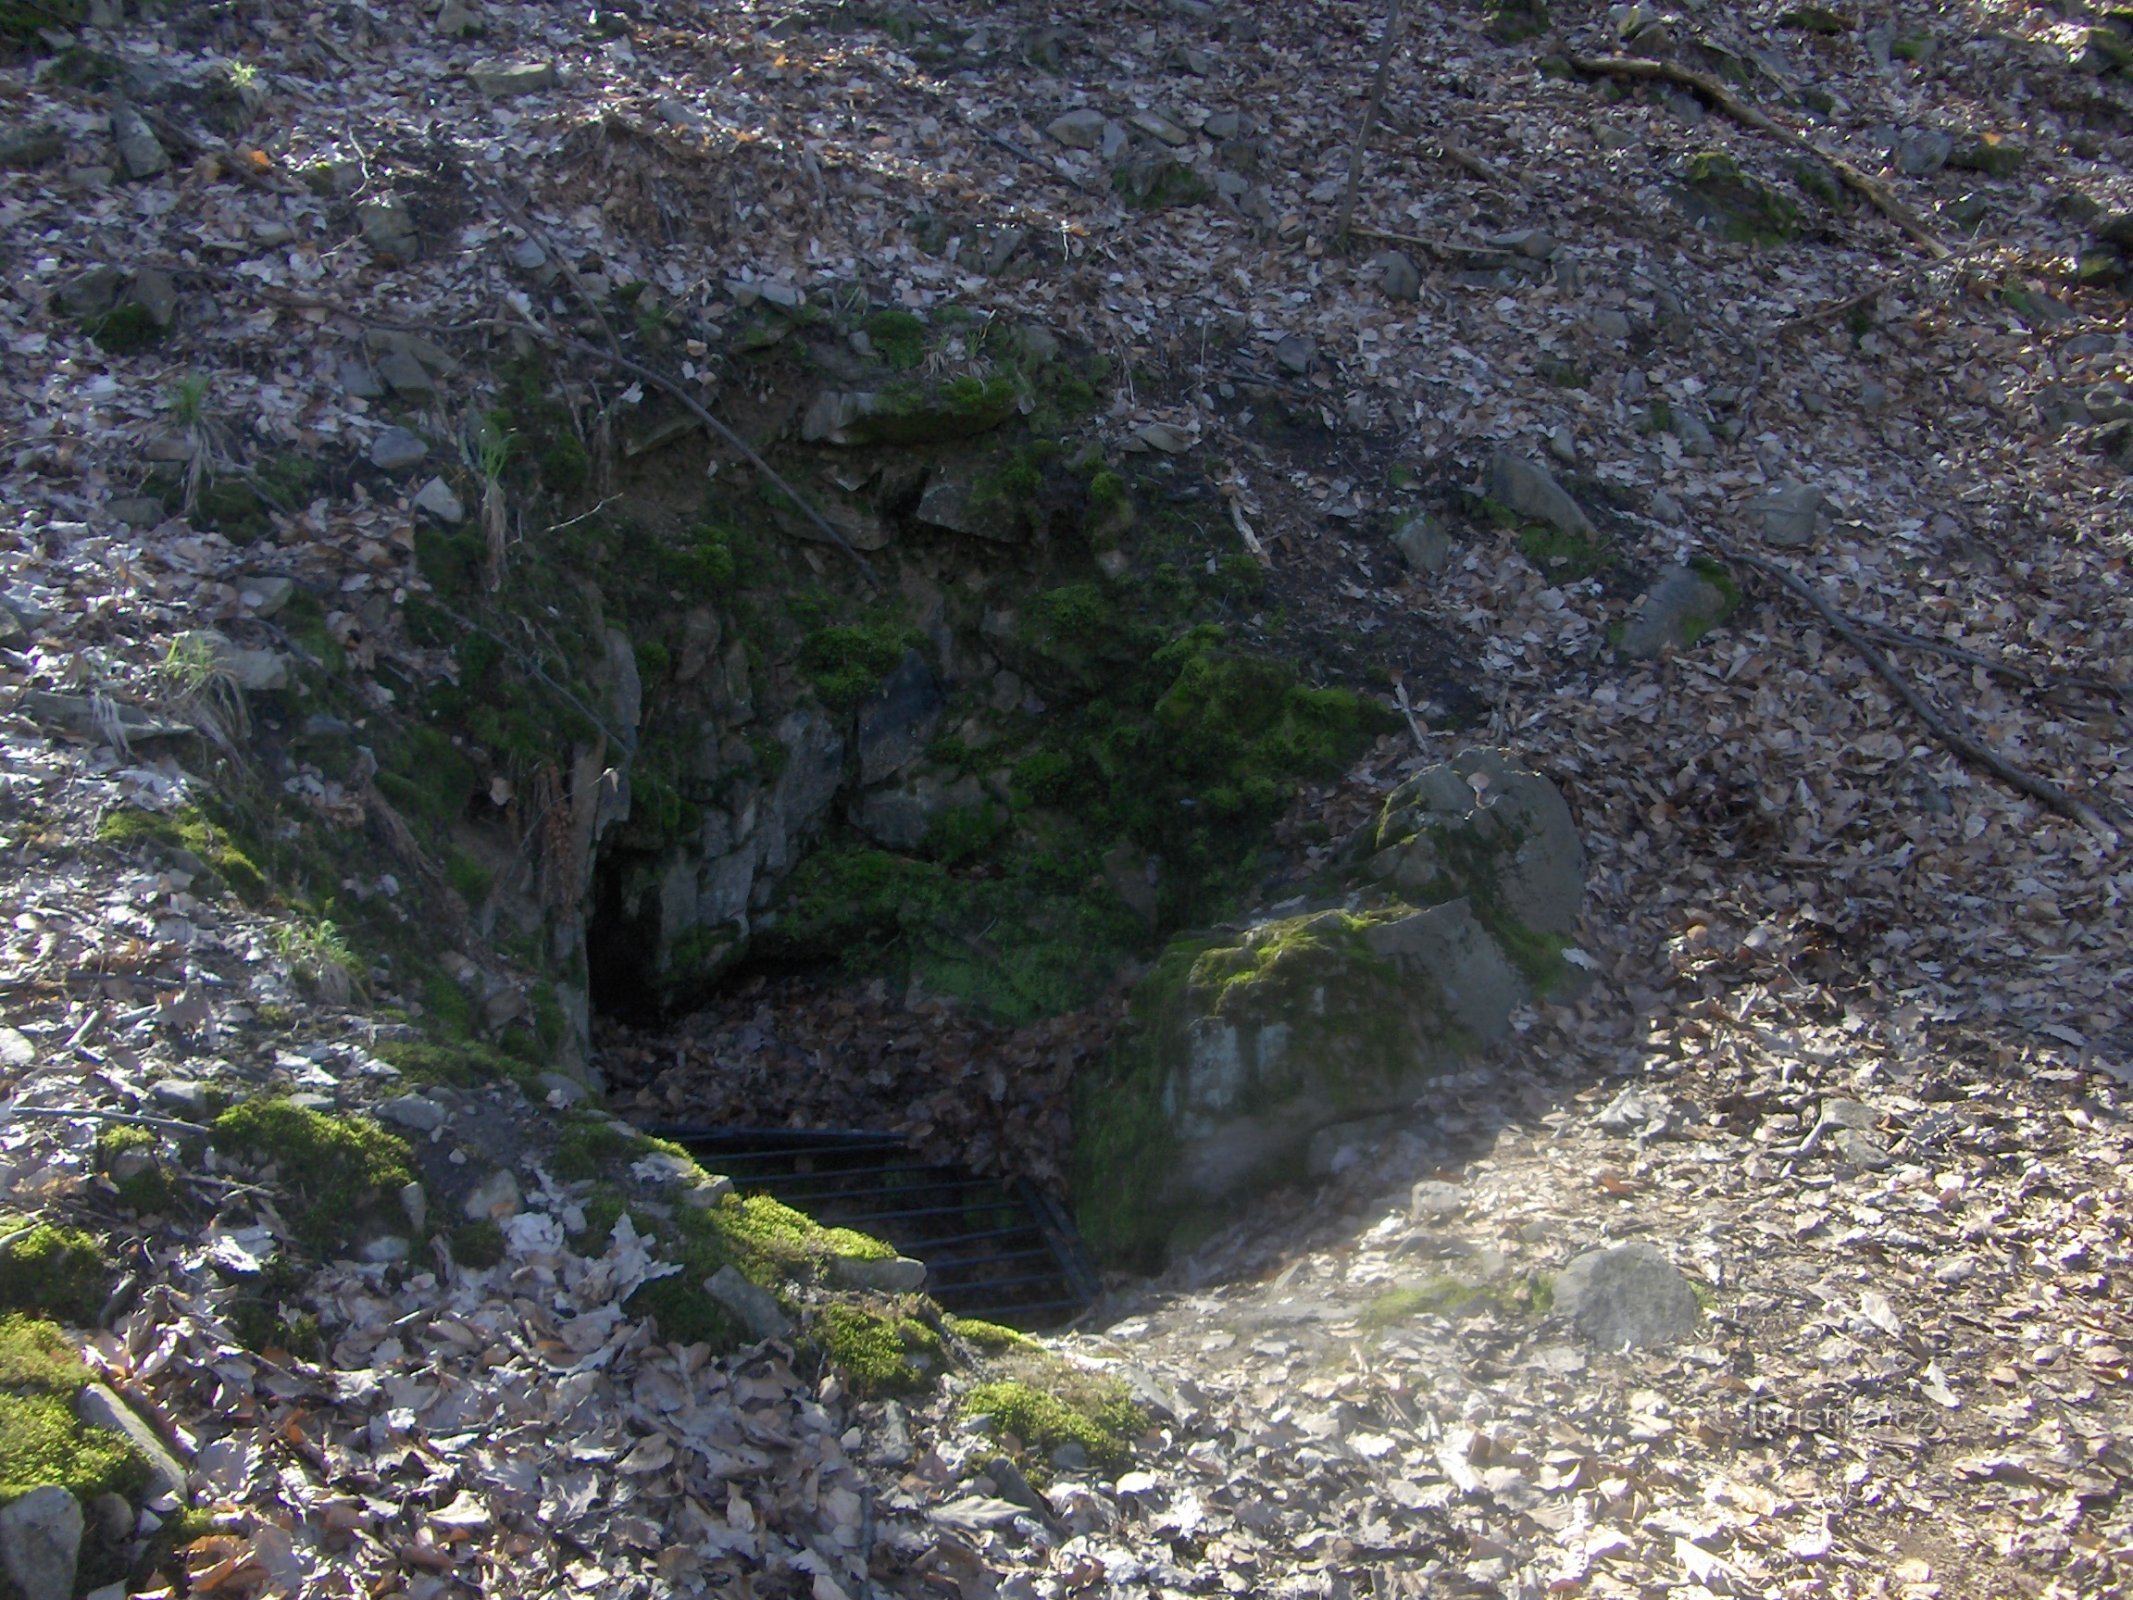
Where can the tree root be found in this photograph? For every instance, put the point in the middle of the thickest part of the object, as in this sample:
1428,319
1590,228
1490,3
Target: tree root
1950,728
1748,116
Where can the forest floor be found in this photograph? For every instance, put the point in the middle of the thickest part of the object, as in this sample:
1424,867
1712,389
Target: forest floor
1856,1050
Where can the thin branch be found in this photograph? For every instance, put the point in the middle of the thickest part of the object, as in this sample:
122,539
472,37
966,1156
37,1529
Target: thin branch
2043,681
1394,23
132,1120
1942,726
527,664
1441,247
1749,116
516,216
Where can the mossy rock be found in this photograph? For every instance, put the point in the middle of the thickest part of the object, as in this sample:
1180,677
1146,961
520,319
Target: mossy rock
879,1355
57,1272
1046,1404
1241,1048
1722,199
337,1172
41,1440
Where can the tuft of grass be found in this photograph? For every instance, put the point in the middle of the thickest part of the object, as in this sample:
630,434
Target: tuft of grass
1077,1408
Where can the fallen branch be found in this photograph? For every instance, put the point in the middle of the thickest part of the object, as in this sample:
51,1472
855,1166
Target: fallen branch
1838,310
1748,116
1944,727
131,1119
1395,22
518,219
1441,247
2042,682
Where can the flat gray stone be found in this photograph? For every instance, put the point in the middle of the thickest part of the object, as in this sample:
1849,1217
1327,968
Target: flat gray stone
102,1408
389,230
415,1111
1078,130
395,450
40,1541
405,374
1920,151
1785,515
361,381
137,510
16,1050
436,498
527,77
154,292
140,152
1679,608
1398,275
493,1199
1627,1297
756,1306
86,294
268,595
1530,489
1433,1200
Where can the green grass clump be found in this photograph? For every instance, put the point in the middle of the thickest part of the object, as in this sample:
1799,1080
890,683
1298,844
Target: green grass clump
1451,1297
60,1272
128,1156
125,330
477,1244
1075,1407
1560,556
41,1441
339,1170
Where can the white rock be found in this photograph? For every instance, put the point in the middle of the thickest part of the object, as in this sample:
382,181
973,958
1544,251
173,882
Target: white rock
40,1540
436,498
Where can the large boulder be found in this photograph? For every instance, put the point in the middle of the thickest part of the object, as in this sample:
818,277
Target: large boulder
1244,1045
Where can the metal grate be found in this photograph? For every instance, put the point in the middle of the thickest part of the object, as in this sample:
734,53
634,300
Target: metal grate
1000,1249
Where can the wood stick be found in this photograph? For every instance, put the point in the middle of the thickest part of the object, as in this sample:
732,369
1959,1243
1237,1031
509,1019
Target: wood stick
1394,23
1749,116
1960,740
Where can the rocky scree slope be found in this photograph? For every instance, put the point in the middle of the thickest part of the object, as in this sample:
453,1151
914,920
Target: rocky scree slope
1784,871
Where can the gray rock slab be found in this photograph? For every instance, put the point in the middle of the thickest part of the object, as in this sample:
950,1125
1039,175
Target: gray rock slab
140,152
388,230
101,1407
154,291
405,374
1081,129
528,77
88,293
898,720
1398,275
417,1112
360,381
1627,1296
396,449
1530,489
493,1199
436,498
756,1306
40,1542
1679,608
1785,515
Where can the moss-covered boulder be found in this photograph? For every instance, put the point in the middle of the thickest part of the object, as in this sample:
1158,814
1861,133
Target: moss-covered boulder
1243,1046
1481,827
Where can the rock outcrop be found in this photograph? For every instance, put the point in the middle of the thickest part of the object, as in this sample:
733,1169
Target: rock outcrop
1245,1046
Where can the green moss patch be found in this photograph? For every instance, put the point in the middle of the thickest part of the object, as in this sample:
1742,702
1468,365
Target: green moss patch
936,413
898,337
339,1170
192,830
1454,1297
989,1338
41,1441
1724,200
60,1272
1064,1405
879,1355
846,663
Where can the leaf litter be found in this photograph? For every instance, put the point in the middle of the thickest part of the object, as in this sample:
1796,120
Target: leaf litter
1913,1373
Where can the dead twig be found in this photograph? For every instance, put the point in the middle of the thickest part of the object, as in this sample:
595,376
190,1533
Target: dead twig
129,1118
1942,725
1837,310
1395,23
2041,681
1441,247
516,216
1748,116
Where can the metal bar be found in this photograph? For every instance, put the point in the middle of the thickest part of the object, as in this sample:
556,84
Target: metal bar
868,1172
935,1211
964,1262
786,1138
987,1313
801,1180
948,1239
1008,1283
